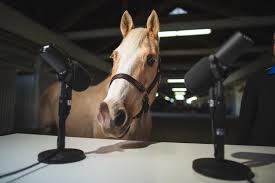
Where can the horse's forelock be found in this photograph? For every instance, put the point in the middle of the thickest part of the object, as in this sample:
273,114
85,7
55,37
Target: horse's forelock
134,39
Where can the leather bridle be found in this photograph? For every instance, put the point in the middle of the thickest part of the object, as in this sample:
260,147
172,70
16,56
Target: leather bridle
140,87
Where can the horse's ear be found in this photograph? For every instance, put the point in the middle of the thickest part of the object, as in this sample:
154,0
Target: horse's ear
153,23
126,23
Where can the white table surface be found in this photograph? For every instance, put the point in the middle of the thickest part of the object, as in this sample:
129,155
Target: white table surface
118,161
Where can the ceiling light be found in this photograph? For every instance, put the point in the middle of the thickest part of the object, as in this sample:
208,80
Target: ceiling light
179,97
184,32
178,11
179,89
175,80
193,32
167,34
191,99
166,98
180,93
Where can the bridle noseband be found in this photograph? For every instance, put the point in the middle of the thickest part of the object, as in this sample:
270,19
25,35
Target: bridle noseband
140,87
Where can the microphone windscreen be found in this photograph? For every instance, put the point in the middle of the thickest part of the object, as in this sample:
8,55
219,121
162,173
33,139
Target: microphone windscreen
54,58
236,45
199,78
80,80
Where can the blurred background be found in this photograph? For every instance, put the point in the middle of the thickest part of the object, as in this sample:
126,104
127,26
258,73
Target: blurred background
89,31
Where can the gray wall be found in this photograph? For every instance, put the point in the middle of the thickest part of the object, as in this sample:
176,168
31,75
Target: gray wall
18,79
27,103
7,99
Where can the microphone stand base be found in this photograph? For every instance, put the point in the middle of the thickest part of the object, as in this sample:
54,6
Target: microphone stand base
56,156
223,169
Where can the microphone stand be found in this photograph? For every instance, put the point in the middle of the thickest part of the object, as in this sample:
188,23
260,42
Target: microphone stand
62,155
218,167
63,112
217,113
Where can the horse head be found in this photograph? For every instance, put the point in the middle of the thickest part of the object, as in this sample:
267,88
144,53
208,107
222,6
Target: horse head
135,76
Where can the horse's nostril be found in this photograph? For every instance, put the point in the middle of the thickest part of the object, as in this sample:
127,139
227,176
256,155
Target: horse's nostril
103,107
120,118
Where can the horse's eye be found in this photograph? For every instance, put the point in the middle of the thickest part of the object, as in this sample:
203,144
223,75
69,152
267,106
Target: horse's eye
150,60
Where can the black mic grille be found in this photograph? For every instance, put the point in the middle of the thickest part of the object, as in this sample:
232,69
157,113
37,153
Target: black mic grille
199,78
73,74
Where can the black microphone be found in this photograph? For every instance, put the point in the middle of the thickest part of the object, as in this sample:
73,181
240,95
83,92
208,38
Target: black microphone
54,58
68,70
200,77
233,48
80,78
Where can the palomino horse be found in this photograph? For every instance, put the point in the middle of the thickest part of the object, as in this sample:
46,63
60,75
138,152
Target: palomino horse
118,106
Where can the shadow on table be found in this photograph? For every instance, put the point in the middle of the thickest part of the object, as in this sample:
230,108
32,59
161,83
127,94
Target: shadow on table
255,159
25,174
121,146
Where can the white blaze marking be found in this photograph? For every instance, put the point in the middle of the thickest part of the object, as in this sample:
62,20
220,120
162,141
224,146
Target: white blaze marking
128,53
120,87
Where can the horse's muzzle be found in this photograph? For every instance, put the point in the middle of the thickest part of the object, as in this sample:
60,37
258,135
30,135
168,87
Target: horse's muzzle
113,121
